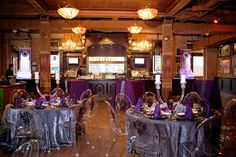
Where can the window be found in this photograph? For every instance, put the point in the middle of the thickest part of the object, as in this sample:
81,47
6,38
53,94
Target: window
73,60
55,63
139,61
24,71
156,64
198,65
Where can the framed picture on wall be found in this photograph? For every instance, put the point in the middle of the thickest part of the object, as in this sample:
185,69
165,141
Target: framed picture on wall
224,51
224,65
234,65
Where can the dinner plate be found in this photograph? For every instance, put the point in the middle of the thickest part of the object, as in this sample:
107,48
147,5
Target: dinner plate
180,114
160,118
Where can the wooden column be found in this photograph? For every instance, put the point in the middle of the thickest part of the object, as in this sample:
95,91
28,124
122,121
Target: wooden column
168,58
44,56
210,64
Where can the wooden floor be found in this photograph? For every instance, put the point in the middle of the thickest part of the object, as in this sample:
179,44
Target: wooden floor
100,141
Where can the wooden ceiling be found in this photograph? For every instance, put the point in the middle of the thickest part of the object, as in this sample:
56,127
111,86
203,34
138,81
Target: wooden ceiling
116,15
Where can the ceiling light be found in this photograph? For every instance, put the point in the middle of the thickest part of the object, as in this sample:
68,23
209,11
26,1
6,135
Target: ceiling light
79,30
68,12
147,13
215,21
135,29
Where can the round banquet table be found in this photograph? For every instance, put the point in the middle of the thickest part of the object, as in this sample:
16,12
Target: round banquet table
161,138
51,127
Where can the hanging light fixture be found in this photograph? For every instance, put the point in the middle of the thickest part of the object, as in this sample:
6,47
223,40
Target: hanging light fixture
79,29
147,13
135,29
68,12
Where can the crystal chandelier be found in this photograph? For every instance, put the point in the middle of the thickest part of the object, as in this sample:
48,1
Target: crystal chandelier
79,30
69,45
68,12
144,45
147,13
135,29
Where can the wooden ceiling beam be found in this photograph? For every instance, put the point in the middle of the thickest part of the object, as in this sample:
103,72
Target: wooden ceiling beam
105,14
37,6
186,28
119,26
180,5
214,40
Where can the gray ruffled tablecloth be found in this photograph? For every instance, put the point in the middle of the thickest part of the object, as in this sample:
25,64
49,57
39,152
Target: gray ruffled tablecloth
161,138
53,127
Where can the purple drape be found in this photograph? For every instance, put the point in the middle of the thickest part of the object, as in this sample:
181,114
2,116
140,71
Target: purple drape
132,88
76,88
209,90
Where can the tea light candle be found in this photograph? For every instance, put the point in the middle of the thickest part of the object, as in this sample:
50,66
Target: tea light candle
158,79
36,75
183,79
57,76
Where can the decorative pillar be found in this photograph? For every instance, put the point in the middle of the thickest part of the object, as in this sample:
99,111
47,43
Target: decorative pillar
168,57
210,64
44,56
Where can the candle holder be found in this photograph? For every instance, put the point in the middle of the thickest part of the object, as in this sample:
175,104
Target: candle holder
158,86
182,92
158,93
182,82
37,84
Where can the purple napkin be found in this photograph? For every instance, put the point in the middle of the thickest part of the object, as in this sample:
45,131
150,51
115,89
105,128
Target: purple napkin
139,105
207,108
18,101
62,103
157,112
38,103
188,112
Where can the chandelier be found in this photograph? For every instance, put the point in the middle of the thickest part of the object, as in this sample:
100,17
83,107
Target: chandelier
68,12
144,45
69,45
79,30
135,29
147,13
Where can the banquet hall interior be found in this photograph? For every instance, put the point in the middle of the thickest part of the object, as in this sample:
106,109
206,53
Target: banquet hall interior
118,78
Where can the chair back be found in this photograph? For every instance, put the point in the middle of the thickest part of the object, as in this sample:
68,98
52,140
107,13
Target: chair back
230,111
149,98
122,102
27,149
194,98
57,92
19,95
86,94
207,135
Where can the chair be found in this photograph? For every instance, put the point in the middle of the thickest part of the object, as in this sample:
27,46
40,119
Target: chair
122,103
230,115
86,94
19,97
26,128
149,98
27,149
197,103
229,126
57,92
205,138
194,97
117,120
82,113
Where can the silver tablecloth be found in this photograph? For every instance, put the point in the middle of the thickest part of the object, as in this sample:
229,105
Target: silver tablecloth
52,127
160,138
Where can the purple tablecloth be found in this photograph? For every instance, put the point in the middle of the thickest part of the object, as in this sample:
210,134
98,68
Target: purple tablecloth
76,88
132,88
209,90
